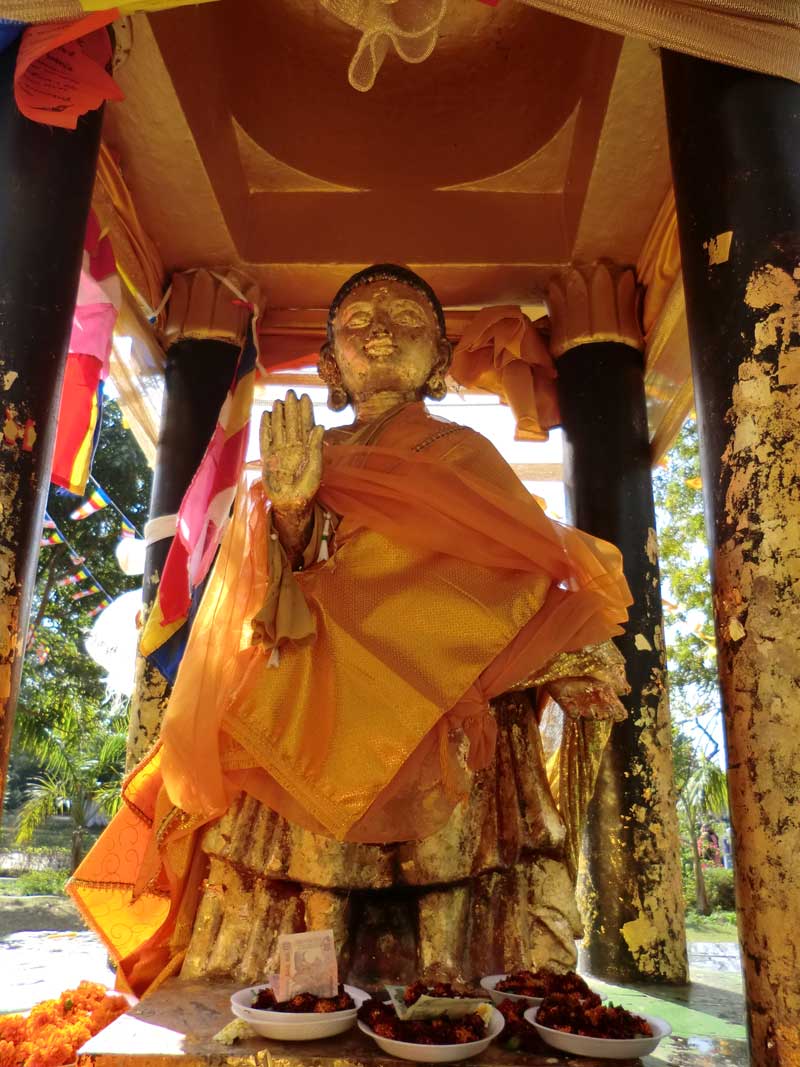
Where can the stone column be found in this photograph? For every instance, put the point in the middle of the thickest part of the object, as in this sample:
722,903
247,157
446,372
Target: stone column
46,178
734,138
631,889
204,334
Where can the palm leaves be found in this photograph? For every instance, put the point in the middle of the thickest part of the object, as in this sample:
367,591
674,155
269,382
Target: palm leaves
702,788
82,758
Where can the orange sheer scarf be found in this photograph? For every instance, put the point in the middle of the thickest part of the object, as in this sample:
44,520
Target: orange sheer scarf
448,585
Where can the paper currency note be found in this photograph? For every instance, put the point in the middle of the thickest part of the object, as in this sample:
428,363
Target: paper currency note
307,964
432,1007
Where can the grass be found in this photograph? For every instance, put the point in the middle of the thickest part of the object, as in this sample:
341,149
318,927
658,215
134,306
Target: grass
34,884
719,926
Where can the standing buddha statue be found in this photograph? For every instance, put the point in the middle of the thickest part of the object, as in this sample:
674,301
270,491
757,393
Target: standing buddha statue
393,702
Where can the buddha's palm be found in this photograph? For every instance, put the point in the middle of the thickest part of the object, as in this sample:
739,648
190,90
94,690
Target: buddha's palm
291,453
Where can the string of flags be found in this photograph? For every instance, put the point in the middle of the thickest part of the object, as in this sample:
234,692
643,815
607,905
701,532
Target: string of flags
89,591
56,537
97,500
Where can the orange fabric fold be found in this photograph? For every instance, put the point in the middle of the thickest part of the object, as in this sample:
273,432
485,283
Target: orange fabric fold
448,584
503,353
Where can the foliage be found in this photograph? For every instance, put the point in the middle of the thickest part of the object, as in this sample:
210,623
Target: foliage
34,858
82,758
41,883
720,889
691,653
52,691
683,559
702,791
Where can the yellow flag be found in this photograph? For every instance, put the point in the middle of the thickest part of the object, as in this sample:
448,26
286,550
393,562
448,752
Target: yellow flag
127,7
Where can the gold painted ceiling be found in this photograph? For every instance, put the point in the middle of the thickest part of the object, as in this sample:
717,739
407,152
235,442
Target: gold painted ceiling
526,141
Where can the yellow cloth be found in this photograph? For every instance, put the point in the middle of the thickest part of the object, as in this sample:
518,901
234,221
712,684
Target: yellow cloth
502,352
448,584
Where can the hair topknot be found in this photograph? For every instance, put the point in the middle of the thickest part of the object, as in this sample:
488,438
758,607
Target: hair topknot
384,272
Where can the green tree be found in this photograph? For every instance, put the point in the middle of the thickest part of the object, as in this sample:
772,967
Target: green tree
702,791
683,558
82,759
59,677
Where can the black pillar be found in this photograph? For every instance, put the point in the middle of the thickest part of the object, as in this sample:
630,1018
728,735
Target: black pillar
197,376
634,910
46,179
735,148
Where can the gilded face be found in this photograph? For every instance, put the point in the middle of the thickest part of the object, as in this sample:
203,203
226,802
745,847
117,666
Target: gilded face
386,338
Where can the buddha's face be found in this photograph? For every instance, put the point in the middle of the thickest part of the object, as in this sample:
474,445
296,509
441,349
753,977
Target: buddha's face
386,338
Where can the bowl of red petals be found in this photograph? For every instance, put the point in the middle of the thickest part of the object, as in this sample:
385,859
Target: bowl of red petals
439,1039
584,1026
531,987
304,1017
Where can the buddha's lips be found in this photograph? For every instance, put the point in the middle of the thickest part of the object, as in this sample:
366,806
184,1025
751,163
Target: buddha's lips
384,346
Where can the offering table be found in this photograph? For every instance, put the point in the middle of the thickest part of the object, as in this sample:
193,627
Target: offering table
175,1027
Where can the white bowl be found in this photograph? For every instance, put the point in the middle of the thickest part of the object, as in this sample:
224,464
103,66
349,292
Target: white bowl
409,1050
295,1026
498,996
608,1048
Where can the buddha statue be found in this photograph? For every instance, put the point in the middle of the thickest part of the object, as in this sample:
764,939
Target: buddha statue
393,702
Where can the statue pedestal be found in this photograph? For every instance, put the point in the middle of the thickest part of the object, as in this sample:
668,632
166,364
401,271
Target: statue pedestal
174,1027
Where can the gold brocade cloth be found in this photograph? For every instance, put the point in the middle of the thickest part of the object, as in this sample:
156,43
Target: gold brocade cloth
448,585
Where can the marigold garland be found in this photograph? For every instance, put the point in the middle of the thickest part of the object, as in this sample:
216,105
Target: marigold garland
52,1033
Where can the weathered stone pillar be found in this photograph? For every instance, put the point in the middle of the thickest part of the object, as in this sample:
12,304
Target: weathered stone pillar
46,178
631,889
205,330
734,139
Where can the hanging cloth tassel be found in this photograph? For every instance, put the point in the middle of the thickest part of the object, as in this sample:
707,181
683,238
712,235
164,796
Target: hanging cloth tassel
323,553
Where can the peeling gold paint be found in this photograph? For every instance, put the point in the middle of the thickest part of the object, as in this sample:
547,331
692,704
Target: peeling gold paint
651,548
757,603
642,643
148,703
718,248
8,379
735,630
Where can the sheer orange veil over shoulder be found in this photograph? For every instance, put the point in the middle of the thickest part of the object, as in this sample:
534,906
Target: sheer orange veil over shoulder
448,585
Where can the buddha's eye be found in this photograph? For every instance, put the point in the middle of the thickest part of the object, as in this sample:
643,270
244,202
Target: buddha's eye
358,320
408,316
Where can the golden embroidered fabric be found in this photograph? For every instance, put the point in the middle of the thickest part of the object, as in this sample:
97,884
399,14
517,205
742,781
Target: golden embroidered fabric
411,27
761,35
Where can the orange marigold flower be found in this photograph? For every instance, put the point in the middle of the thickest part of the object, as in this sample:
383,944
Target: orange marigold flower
8,1053
13,1028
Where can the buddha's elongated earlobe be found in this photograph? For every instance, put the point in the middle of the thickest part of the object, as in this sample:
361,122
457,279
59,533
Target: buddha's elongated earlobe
436,386
338,397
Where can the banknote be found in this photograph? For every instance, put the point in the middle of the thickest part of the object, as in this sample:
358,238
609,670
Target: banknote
307,964
432,1007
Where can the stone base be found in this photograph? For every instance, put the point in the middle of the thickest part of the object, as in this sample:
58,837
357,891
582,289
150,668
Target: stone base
174,1027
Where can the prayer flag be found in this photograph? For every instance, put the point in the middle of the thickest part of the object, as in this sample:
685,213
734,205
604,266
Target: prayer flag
127,530
96,502
48,523
98,608
80,413
89,591
77,560
202,518
51,539
73,579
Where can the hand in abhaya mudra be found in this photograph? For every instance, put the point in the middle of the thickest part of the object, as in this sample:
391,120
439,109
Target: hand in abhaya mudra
291,453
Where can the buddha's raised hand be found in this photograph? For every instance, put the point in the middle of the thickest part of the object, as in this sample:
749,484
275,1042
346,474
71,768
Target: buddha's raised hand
291,453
